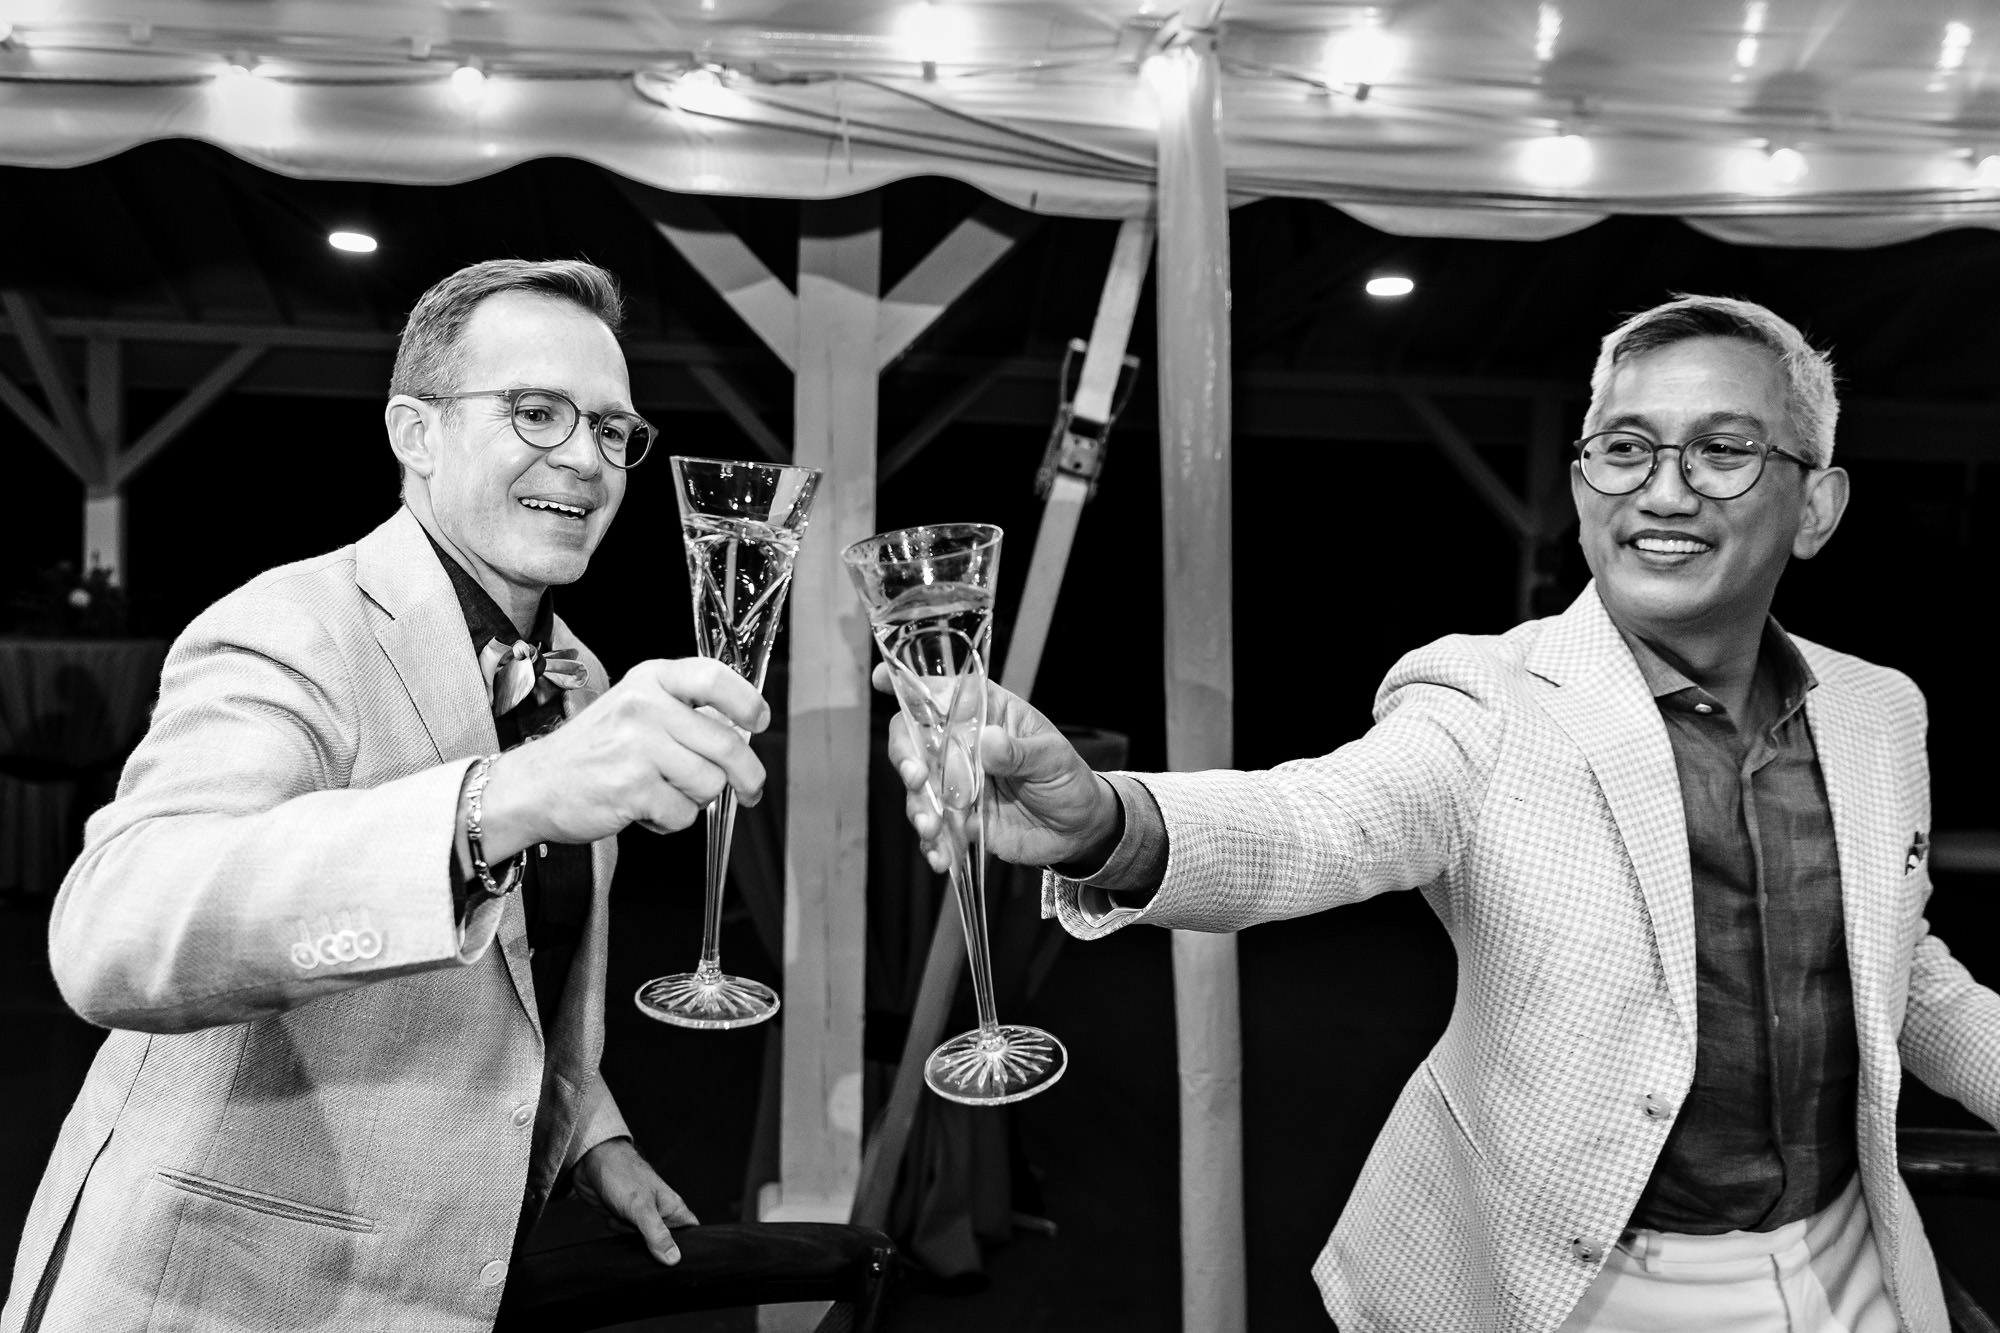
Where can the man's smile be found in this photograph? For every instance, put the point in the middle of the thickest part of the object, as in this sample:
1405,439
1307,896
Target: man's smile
1665,548
571,507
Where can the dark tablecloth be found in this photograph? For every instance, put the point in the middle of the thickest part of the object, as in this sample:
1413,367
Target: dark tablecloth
70,711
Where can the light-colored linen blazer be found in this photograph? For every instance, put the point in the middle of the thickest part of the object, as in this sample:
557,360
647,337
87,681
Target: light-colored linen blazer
324,1098
1526,785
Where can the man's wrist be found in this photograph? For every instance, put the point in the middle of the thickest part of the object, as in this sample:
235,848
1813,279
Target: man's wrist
505,817
1109,824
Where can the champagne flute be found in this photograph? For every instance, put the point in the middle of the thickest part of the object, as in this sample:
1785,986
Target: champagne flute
741,524
929,596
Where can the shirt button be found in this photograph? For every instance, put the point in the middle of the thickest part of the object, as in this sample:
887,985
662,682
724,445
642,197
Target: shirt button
494,1273
1655,1109
1704,708
524,1115
1587,1250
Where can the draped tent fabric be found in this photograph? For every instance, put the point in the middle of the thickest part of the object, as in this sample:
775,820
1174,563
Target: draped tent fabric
1416,117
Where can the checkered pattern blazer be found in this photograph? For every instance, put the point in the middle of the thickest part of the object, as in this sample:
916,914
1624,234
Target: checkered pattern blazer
323,1099
1525,784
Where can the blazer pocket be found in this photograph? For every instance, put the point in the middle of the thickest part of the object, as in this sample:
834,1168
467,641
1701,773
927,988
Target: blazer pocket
1451,1111
271,1205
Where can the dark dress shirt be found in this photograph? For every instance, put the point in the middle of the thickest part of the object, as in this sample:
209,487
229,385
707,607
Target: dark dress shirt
1766,1133
556,886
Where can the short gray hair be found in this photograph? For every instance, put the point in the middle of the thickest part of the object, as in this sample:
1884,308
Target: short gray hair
427,355
1811,404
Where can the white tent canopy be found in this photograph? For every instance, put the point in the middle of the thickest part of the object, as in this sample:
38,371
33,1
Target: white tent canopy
1759,121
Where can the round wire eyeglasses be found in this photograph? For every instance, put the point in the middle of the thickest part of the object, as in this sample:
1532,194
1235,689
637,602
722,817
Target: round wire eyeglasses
1717,466
546,418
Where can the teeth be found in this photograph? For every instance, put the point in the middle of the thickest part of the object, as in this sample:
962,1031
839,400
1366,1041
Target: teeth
1666,546
550,505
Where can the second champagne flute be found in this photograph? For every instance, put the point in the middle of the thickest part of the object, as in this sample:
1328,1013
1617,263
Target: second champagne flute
741,524
929,594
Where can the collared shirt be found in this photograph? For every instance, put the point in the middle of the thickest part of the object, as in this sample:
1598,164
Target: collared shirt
556,886
1765,1135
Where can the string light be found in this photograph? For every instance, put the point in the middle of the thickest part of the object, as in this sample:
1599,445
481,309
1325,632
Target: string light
1951,51
932,34
1548,28
468,83
1363,55
1785,165
1561,160
702,91
1986,170
1753,28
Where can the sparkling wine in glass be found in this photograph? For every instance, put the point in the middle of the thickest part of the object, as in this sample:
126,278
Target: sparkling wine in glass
741,524
929,596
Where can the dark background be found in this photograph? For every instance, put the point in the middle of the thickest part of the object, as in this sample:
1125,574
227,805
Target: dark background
1348,553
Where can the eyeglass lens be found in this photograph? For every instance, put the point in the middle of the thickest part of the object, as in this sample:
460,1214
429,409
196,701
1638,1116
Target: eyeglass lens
1720,467
545,420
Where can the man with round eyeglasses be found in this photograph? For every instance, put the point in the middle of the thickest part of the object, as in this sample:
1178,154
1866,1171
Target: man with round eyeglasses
1682,857
347,916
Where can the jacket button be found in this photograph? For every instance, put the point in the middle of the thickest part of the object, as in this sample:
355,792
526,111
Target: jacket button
524,1115
494,1273
1655,1109
1587,1250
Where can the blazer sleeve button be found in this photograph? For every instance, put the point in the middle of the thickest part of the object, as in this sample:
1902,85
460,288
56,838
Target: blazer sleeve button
494,1273
1655,1109
1588,1251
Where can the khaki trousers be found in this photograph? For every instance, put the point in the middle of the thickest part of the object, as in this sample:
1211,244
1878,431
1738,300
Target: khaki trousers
1819,1275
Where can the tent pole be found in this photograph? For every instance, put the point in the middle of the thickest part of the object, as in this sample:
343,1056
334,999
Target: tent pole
1195,489
826,816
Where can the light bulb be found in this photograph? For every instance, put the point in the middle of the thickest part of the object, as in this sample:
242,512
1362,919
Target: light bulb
354,242
1558,160
1363,55
1390,285
1787,166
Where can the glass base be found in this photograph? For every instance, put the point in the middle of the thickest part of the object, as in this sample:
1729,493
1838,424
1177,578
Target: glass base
980,1068
706,1000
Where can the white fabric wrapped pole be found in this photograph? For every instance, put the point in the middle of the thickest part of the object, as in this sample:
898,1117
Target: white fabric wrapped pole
1193,303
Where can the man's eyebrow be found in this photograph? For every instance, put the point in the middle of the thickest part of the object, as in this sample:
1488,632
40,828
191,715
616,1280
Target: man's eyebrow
1705,424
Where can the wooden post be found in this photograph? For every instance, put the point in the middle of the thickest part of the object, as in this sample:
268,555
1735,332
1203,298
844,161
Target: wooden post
104,503
1195,487
826,817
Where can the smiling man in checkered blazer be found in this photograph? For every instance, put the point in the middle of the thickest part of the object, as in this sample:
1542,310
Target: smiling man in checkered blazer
1682,857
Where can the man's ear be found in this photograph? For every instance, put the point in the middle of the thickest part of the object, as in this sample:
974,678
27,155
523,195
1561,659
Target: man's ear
1826,501
412,434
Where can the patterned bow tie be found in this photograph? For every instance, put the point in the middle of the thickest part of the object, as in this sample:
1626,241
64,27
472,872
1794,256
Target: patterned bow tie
515,670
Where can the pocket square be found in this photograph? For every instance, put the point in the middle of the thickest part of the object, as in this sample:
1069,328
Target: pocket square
1920,847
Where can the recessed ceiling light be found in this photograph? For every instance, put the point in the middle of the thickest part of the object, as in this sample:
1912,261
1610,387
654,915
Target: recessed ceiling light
1390,285
354,242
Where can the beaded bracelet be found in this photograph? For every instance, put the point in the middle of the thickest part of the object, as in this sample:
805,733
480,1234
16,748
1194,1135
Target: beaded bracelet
475,792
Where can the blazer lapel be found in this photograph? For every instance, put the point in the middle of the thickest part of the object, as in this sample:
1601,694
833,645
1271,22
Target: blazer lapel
425,640
1601,702
1865,830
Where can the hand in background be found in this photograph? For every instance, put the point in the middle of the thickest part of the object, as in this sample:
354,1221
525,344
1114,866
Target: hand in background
1045,804
614,1179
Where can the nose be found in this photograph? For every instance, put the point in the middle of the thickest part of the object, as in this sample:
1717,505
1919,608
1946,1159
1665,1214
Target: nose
1667,490
579,452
